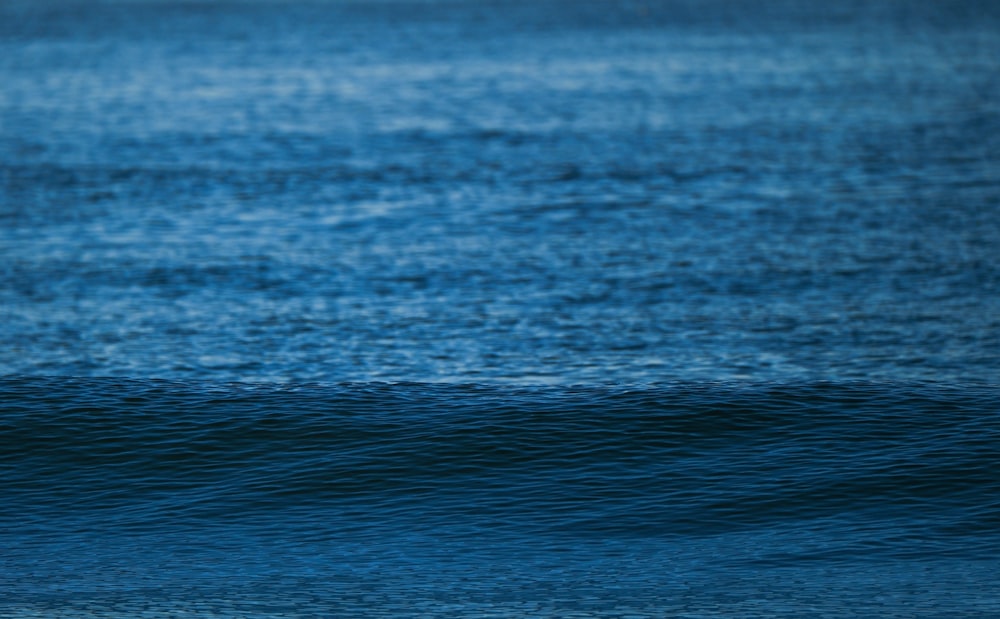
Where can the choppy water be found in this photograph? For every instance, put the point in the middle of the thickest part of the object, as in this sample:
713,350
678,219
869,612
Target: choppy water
474,308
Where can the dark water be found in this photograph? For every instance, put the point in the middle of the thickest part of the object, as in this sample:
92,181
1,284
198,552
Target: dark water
124,497
499,309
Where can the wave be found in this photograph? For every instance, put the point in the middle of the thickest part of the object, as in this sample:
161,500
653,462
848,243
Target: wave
681,459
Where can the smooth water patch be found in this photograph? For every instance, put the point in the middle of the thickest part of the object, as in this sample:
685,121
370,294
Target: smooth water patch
222,499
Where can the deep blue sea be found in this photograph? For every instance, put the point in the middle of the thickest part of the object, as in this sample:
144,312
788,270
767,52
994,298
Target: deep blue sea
472,309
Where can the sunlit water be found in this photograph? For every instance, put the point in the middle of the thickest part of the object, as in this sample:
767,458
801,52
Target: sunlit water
688,308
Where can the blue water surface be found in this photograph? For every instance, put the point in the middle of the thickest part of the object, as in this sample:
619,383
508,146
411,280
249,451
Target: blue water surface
470,308
522,192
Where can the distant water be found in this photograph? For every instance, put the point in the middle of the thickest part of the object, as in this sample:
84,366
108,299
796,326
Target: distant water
431,308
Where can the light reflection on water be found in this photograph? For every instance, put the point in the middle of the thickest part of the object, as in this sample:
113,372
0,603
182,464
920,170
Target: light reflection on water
550,192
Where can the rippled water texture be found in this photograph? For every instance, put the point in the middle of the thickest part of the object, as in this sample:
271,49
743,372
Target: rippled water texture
540,191
410,500
465,309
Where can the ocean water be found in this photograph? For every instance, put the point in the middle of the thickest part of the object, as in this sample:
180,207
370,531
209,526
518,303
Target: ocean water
459,308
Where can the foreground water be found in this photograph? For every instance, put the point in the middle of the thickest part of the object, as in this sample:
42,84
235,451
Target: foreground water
471,309
147,498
